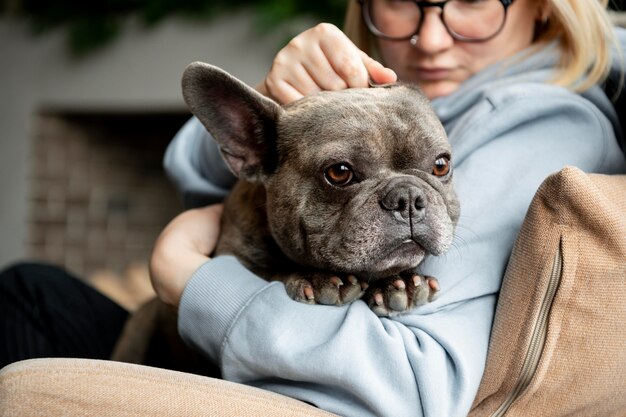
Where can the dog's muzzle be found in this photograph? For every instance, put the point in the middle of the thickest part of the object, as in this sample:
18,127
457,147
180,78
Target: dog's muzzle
405,199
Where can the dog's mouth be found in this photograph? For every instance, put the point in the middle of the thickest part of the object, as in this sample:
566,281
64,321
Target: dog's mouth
405,254
408,248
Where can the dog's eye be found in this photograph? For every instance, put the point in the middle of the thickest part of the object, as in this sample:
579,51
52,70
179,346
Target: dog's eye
340,174
441,166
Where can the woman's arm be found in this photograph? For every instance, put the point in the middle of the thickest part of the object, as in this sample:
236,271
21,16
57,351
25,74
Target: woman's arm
194,163
181,248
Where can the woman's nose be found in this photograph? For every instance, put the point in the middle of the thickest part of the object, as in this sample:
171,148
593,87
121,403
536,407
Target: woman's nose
433,37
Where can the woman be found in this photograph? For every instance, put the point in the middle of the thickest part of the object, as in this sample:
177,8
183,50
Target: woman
514,83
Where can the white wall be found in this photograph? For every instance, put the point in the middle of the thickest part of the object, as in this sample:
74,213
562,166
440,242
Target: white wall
141,70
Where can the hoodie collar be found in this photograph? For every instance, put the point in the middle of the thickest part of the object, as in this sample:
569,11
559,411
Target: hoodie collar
530,65
534,64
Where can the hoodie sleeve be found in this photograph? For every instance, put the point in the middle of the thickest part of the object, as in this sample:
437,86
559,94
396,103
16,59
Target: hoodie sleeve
427,362
195,165
342,359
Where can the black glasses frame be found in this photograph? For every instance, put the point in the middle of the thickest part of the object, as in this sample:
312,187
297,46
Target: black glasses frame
365,13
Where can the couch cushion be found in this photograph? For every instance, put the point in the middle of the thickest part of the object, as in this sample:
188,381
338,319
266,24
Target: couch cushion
558,345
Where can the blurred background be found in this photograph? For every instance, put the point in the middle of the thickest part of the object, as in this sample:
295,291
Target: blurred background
90,98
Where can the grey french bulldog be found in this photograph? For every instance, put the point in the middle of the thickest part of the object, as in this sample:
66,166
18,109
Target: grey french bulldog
341,194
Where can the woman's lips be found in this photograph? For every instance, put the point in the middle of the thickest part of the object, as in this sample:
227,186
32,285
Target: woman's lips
433,74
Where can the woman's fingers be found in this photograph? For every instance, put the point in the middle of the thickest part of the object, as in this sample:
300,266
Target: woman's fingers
321,58
344,57
378,73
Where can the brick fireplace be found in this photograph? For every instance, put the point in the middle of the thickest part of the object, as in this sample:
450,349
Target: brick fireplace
99,196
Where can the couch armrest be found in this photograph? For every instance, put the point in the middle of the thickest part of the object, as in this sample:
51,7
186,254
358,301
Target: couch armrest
56,387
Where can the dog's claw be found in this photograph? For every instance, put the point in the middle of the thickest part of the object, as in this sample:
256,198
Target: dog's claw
308,293
433,284
323,288
399,284
398,294
417,280
376,304
378,299
336,281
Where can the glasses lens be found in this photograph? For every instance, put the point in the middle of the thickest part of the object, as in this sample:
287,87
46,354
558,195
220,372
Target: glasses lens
395,19
474,19
465,19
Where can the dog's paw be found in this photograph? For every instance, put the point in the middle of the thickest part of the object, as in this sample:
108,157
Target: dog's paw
398,294
325,288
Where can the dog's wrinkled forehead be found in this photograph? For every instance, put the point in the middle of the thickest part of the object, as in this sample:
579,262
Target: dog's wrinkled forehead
398,110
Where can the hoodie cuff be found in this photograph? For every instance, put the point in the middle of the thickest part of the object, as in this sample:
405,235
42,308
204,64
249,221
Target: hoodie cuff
211,301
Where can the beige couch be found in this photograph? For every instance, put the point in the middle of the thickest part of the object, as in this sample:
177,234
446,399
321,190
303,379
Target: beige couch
85,387
558,345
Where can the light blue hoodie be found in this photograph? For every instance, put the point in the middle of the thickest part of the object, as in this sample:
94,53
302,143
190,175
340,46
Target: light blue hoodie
509,130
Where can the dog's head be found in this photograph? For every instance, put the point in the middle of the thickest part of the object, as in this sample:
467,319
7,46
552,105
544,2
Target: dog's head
357,181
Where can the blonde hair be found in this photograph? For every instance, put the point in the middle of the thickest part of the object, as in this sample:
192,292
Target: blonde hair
582,27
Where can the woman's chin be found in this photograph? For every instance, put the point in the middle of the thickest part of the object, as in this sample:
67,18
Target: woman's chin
433,90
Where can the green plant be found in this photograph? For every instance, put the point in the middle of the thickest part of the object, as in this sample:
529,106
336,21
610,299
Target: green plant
95,23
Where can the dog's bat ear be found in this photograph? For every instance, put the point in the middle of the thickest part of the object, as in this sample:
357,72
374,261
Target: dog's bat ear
240,119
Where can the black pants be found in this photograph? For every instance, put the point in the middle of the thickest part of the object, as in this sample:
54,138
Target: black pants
46,312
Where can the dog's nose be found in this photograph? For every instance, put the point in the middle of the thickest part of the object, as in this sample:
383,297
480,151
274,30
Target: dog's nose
407,199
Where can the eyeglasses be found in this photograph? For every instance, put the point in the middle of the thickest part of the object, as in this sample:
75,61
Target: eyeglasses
465,20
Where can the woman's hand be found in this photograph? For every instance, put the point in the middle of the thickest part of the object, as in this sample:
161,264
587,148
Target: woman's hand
181,248
321,58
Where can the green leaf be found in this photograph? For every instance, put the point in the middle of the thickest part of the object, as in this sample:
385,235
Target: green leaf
93,24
